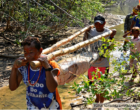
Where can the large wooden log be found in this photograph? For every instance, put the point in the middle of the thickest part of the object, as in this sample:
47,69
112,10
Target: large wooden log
72,48
62,42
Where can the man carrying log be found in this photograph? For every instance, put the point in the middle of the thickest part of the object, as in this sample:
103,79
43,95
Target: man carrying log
102,63
41,82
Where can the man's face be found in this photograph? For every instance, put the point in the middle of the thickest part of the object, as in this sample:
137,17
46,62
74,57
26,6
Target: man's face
136,33
99,27
31,53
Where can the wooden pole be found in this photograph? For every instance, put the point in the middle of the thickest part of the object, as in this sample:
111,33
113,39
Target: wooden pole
71,49
62,42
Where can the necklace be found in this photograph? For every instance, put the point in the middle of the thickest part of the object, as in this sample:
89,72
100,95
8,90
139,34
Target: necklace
29,81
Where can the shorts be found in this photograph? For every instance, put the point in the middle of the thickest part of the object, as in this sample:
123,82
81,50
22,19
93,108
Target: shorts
104,70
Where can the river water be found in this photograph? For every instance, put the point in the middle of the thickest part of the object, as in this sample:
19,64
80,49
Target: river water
123,8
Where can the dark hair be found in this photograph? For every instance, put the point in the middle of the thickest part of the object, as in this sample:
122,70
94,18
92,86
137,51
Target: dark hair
29,40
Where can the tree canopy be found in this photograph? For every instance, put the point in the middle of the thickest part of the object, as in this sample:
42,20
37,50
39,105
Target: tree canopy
41,16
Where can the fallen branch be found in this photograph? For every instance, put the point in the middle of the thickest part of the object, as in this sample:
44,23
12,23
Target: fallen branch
11,41
47,10
72,105
64,10
126,73
129,87
117,100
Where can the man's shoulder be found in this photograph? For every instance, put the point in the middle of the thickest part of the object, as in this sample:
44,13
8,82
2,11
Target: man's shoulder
93,29
106,29
93,32
128,15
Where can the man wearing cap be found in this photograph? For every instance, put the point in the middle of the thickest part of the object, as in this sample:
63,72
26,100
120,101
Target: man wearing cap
129,19
128,22
102,63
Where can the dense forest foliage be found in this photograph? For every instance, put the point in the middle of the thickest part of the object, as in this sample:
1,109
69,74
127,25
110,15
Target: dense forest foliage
33,17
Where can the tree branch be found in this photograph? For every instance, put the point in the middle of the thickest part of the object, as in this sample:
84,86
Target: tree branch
64,10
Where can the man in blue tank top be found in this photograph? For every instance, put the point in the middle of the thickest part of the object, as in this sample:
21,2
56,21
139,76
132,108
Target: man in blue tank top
41,83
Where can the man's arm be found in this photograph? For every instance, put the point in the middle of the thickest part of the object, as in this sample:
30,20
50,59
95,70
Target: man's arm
126,40
126,24
86,34
16,77
51,76
113,34
130,32
132,25
51,80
